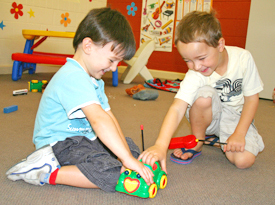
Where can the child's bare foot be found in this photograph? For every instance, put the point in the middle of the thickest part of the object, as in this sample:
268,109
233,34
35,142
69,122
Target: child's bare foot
186,155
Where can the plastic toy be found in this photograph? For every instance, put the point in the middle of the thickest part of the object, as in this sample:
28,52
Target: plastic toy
20,92
142,137
36,86
10,109
188,142
131,183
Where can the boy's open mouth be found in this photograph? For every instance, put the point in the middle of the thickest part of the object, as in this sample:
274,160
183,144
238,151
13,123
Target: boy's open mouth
205,70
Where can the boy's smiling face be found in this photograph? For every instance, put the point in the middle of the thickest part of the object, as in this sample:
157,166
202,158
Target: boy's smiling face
203,58
99,59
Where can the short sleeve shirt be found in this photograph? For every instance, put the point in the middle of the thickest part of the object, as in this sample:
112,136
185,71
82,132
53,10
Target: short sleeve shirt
59,114
241,79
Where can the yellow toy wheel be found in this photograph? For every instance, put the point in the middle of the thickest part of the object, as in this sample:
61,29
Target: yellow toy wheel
34,81
44,81
34,90
163,182
153,190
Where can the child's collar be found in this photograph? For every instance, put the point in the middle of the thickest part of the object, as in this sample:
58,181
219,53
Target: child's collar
73,61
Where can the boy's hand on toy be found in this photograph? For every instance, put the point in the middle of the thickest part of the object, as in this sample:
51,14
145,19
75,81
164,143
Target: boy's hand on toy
122,169
235,143
154,154
140,168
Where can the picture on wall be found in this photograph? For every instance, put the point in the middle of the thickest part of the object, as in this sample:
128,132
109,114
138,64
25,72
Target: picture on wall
157,23
186,6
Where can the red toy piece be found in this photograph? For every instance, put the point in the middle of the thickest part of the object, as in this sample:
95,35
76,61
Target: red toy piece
187,142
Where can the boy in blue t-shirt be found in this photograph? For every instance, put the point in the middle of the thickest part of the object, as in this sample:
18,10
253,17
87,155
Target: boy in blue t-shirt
79,141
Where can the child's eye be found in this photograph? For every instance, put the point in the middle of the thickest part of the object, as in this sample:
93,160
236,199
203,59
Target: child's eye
202,58
111,61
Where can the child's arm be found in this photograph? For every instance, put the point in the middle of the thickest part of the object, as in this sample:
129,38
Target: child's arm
118,128
120,133
171,121
107,131
236,142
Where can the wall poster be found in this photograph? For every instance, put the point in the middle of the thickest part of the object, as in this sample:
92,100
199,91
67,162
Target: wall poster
157,23
186,6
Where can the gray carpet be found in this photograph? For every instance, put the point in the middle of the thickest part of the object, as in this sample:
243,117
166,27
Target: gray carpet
209,179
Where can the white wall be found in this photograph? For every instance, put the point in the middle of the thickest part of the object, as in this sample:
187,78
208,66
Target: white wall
47,15
261,42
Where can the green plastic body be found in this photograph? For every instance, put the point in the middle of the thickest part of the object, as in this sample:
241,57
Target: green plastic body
36,86
131,183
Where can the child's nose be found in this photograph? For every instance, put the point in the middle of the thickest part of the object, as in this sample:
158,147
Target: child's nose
197,66
113,67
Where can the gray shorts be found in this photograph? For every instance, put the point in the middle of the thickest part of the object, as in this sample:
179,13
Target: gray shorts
93,159
225,120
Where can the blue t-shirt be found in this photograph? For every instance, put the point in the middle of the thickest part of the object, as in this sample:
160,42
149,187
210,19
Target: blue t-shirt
59,114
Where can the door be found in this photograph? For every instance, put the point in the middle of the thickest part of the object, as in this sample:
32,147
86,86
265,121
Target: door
260,42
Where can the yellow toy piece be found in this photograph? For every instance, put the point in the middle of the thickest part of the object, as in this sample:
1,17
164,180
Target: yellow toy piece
153,190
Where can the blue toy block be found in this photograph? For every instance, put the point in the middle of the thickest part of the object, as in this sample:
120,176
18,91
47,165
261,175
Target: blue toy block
10,109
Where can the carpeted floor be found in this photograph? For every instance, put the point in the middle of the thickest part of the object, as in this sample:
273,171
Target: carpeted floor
209,179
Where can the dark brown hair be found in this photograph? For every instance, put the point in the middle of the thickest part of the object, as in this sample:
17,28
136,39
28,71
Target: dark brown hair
105,25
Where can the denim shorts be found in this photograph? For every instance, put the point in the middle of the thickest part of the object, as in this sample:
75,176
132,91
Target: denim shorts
93,159
225,120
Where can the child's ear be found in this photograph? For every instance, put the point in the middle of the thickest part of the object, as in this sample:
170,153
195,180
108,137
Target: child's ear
87,44
221,44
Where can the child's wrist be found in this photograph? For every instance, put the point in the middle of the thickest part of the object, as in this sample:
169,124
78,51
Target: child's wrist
163,145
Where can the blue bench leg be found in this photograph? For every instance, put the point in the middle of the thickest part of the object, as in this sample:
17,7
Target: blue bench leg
15,70
32,68
19,67
115,78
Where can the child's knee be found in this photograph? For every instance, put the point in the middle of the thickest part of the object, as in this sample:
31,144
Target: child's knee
242,160
203,103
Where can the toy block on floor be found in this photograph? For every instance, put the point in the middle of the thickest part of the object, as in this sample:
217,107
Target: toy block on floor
10,109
